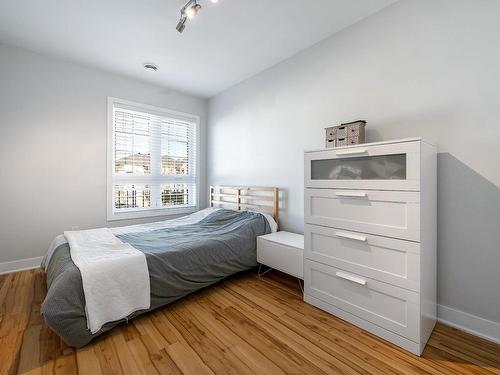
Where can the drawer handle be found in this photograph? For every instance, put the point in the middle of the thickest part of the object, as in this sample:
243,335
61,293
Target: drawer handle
351,236
351,152
351,194
354,279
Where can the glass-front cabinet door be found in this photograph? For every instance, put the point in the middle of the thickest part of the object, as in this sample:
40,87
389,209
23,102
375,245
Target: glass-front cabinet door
391,166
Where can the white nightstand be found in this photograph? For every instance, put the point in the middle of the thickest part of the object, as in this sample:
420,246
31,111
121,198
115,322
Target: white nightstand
283,251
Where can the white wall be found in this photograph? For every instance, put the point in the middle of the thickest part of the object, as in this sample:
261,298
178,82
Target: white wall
53,122
427,68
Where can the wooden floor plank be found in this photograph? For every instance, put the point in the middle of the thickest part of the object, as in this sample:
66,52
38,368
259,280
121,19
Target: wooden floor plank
459,352
441,357
316,321
125,355
244,325
279,352
213,352
483,349
340,336
309,350
105,352
142,357
250,355
277,328
87,362
66,365
30,349
187,359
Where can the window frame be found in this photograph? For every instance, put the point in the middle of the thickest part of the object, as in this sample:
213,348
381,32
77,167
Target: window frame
113,214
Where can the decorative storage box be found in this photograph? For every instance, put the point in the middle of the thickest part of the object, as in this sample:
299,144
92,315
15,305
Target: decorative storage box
341,142
331,137
355,140
350,133
341,132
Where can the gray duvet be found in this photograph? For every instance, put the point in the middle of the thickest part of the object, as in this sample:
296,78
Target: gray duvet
180,260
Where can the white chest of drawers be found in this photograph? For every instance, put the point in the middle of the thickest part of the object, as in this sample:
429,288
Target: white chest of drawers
370,237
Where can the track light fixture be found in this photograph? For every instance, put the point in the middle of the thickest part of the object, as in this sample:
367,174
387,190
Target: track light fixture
189,11
181,25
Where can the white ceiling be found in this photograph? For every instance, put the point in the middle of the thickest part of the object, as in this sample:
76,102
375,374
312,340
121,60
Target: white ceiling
226,43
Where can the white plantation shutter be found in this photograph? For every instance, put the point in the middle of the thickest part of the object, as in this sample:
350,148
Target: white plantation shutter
132,133
153,158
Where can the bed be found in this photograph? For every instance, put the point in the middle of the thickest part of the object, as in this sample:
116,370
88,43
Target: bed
181,255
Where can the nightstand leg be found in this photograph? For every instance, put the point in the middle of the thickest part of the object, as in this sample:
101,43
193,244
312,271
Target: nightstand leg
301,287
263,273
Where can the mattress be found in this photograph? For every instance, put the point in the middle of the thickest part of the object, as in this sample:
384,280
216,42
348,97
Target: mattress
181,259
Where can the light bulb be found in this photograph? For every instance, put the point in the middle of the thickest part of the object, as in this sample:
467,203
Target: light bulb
190,12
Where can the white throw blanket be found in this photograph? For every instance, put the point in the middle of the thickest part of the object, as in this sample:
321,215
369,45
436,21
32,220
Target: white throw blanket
115,276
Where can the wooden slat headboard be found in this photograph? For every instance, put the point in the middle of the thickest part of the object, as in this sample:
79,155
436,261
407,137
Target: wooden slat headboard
265,199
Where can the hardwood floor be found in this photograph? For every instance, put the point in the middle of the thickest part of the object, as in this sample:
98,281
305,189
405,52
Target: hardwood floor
244,325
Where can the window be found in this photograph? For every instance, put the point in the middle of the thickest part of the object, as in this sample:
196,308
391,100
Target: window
152,161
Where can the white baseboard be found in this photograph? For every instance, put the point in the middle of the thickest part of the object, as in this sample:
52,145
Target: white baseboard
20,265
472,324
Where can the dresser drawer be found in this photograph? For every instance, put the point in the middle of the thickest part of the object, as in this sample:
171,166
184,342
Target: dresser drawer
387,306
386,213
394,166
385,259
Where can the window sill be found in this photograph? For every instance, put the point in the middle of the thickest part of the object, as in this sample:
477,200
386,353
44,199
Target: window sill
156,212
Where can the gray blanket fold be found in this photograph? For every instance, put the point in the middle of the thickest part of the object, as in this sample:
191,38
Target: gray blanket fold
180,261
